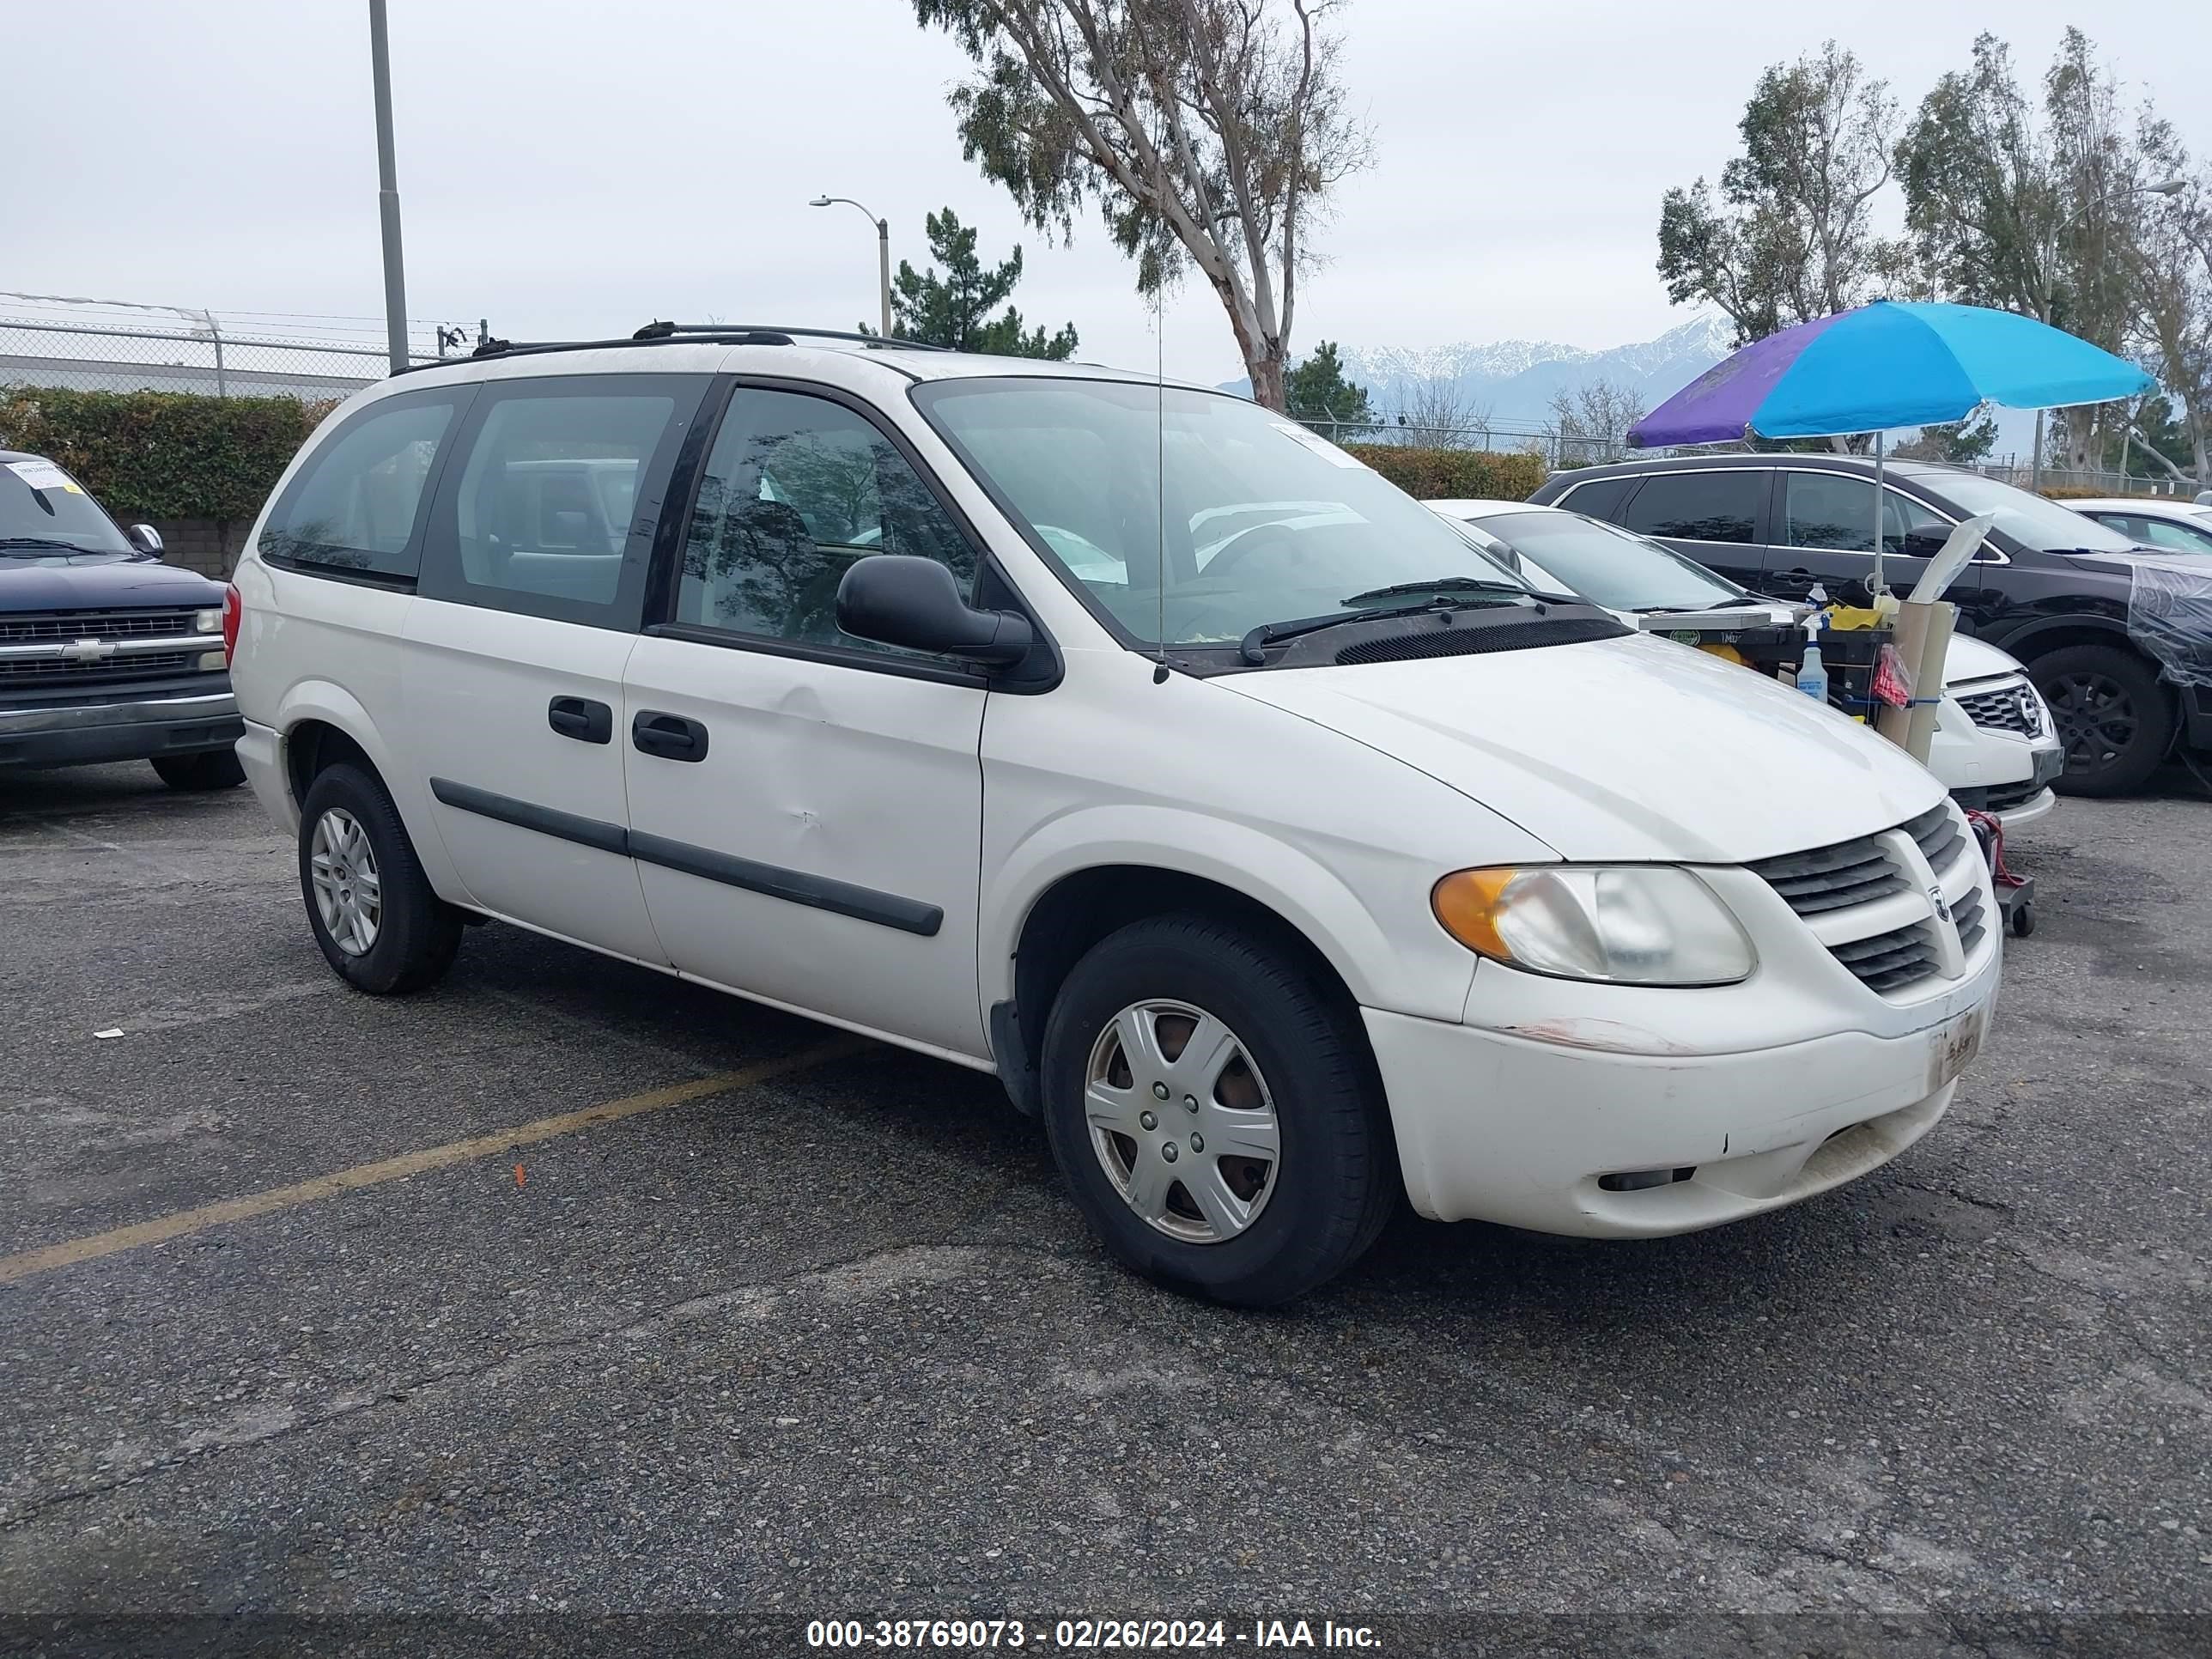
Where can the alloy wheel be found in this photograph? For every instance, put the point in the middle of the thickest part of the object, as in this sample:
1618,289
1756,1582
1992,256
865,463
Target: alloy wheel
2096,720
348,896
1182,1121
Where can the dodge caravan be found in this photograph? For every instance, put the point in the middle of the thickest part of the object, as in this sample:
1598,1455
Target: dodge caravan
1274,845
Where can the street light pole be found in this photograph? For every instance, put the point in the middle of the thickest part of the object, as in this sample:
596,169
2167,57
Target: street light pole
883,253
387,190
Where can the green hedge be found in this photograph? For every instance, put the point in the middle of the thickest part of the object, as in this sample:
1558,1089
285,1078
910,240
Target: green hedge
162,455
1431,475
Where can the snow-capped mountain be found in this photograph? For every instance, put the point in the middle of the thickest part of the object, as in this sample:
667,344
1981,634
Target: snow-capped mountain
1517,379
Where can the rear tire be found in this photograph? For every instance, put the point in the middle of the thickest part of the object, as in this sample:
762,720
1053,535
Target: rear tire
2113,716
373,911
1299,1080
209,769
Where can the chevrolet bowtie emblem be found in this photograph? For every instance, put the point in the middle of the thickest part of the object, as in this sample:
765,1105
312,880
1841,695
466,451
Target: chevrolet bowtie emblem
87,651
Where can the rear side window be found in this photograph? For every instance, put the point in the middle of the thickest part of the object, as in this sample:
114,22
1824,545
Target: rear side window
1601,498
551,509
1696,507
356,505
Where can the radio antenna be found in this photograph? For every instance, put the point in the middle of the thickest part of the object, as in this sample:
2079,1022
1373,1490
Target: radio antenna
1160,475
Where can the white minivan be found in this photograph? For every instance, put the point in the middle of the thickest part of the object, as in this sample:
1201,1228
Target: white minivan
1277,847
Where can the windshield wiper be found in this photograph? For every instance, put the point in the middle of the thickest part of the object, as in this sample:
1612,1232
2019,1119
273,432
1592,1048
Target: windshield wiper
43,541
1275,632
1459,585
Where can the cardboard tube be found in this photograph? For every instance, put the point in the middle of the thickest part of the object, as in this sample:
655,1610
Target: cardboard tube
1928,676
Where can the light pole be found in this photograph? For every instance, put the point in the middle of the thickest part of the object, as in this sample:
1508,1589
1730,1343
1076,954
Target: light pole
2164,187
883,252
387,191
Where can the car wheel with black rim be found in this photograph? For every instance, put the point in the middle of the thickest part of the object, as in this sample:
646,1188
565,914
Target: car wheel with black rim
373,912
1215,1112
2113,717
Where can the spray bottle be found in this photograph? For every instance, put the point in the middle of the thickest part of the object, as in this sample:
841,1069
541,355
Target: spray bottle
1812,674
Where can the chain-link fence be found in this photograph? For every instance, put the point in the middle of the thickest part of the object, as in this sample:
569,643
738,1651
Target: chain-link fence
2016,469
113,346
1559,449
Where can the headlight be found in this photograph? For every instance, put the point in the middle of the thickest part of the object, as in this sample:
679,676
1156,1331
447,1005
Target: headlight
1634,925
207,622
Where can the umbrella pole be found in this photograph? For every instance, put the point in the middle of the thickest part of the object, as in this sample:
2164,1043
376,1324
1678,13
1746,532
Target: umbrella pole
1878,588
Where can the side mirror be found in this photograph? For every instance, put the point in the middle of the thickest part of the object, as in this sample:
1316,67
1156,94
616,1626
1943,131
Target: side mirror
144,537
896,599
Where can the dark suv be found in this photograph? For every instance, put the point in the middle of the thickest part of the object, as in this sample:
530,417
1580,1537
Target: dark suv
106,652
2049,585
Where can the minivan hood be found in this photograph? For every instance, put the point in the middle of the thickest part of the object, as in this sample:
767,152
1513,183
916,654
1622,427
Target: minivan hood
123,584
1625,749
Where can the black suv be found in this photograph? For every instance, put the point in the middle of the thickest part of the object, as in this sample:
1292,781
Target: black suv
2049,585
106,652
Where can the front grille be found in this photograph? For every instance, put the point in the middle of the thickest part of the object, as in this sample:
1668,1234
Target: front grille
95,625
1826,884
2004,796
2011,706
1967,916
1832,877
1890,961
151,665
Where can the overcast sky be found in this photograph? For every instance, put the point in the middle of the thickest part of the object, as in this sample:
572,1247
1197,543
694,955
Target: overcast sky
578,167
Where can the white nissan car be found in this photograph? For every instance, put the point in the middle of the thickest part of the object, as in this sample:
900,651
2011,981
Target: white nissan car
1124,740
1995,747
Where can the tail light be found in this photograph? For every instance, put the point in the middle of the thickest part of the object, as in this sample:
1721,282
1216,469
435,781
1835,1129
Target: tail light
234,612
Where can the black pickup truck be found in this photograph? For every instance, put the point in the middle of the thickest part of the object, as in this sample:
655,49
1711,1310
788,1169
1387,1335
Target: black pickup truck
106,652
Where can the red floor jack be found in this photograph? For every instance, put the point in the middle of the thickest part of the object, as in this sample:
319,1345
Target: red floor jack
2015,894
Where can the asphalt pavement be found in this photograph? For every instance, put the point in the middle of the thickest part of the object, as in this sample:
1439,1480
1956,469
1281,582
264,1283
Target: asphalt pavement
801,1328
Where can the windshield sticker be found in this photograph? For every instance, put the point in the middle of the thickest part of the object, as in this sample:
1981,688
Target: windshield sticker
43,475
1315,443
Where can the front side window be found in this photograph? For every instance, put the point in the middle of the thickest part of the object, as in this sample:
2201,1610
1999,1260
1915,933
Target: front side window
1835,510
1191,518
797,490
354,505
1699,506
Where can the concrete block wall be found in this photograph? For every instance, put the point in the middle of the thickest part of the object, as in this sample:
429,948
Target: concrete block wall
210,546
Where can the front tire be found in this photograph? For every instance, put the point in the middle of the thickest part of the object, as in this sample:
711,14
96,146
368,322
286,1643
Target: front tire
371,910
2113,716
1215,1113
209,769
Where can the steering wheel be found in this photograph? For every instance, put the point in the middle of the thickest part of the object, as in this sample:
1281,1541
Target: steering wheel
1261,538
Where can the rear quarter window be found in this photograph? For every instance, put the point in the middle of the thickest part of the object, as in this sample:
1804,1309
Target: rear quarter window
1601,498
355,506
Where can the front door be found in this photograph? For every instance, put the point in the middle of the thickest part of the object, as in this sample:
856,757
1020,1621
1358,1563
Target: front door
805,808
1824,529
533,576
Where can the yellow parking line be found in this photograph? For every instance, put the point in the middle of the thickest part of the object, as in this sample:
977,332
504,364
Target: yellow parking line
70,1252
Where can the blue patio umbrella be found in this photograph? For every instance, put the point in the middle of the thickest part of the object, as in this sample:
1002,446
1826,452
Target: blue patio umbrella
1889,364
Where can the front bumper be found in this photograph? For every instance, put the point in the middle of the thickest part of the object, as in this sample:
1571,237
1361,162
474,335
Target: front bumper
75,734
1520,1128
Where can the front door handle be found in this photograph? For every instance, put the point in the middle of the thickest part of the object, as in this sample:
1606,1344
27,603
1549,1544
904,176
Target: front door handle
581,719
671,737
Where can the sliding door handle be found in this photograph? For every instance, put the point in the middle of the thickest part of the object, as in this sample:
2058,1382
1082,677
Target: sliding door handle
581,719
671,737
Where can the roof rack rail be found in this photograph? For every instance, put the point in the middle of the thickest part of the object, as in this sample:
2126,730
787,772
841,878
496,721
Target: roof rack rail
659,333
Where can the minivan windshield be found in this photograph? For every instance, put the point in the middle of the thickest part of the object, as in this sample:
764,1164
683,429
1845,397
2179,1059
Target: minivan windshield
1265,521
1615,567
2029,519
44,512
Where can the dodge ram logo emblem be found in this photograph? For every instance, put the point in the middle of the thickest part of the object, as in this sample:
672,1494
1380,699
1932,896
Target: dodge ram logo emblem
1936,898
87,651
